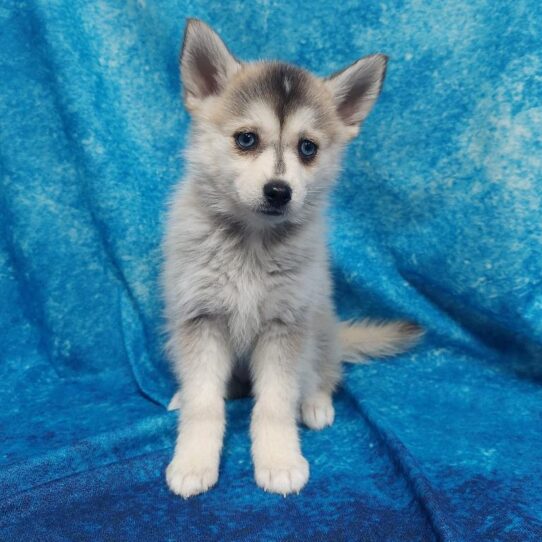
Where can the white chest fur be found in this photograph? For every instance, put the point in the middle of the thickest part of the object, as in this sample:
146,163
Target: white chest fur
242,281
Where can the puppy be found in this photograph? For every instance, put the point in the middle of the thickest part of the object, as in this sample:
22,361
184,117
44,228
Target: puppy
246,276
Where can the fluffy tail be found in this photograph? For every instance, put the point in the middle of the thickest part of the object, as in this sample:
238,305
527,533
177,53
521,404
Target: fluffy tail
368,339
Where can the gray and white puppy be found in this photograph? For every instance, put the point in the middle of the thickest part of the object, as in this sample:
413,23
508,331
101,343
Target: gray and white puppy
246,278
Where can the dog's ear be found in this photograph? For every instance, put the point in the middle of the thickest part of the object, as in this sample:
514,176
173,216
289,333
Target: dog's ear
206,63
356,88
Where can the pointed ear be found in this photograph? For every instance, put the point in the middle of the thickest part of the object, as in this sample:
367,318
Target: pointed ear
356,88
206,63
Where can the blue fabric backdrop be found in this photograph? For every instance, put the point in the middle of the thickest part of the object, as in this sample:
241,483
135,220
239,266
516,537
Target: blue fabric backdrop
437,216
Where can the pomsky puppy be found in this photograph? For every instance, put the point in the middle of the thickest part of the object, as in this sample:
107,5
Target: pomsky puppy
246,276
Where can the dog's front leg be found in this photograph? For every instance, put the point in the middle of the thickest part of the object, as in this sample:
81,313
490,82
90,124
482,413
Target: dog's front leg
278,464
204,363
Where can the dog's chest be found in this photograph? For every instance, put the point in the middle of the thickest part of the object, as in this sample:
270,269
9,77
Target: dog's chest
248,291
247,296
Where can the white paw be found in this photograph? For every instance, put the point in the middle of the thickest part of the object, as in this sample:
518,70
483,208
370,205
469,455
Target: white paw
175,403
318,412
282,477
187,478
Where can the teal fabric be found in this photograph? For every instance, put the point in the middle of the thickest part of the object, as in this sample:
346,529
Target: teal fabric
436,217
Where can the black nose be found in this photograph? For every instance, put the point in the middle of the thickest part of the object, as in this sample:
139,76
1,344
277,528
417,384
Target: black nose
277,193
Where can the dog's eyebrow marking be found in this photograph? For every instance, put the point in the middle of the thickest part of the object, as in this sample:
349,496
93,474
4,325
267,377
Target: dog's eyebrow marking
305,123
260,116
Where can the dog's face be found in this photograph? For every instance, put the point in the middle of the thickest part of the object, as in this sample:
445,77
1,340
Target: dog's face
268,136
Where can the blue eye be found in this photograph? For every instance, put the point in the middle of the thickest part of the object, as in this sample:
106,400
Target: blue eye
307,149
246,140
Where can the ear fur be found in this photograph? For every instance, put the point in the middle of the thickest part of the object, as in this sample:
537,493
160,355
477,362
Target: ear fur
206,63
356,88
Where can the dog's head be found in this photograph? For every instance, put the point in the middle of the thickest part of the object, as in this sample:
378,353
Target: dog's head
268,136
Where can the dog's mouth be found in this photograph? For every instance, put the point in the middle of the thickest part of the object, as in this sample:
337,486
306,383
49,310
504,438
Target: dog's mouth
271,212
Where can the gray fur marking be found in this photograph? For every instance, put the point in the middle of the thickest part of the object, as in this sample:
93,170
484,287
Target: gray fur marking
280,165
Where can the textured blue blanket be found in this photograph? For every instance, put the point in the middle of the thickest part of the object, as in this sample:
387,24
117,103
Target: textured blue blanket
437,216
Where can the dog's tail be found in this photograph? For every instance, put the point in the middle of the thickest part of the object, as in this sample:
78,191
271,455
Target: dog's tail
373,339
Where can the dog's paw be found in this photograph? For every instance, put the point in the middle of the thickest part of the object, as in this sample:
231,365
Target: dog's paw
187,479
318,412
175,403
282,477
